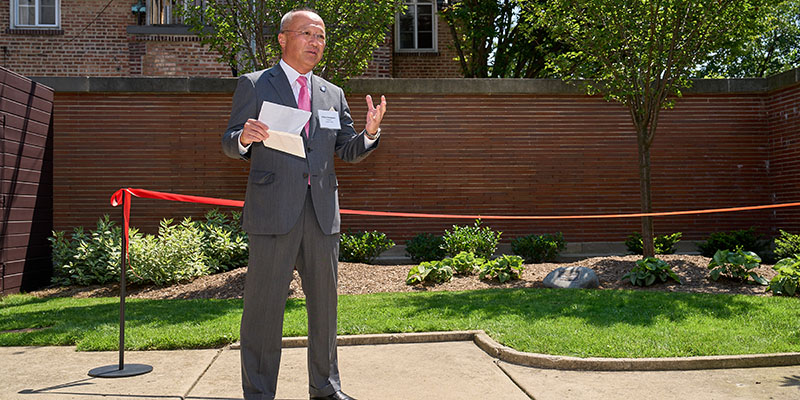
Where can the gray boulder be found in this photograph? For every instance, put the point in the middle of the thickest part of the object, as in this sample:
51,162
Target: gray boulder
572,278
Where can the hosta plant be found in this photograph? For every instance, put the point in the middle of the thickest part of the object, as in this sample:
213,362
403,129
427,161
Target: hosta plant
429,271
788,278
648,270
464,263
737,264
504,268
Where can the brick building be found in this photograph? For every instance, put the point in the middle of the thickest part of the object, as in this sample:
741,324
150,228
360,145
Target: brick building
125,38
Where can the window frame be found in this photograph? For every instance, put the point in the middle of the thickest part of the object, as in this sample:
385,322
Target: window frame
434,33
37,25
167,5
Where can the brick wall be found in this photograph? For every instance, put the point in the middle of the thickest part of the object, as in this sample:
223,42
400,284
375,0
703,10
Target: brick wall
549,153
103,48
784,160
442,64
380,66
181,56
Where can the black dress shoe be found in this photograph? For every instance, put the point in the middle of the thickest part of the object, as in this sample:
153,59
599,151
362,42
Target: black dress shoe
336,396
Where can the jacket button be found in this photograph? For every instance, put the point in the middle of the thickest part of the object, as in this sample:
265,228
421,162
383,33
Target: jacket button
308,150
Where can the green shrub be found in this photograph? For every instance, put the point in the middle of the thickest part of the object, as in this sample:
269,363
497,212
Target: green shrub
85,259
429,271
737,264
464,263
787,245
177,253
174,255
788,278
225,245
650,269
425,247
748,240
504,268
482,241
539,248
363,247
664,244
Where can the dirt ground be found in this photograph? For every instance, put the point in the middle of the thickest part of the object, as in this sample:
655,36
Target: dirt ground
365,278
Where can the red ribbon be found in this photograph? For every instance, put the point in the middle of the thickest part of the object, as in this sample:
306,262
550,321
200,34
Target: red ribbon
124,196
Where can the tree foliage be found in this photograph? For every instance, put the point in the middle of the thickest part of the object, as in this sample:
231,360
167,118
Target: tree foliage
641,54
772,49
244,32
493,39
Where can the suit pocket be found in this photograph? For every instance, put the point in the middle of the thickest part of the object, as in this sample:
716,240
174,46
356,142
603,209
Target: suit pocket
262,177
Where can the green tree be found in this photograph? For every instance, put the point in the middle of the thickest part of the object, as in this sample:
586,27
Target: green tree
641,54
244,32
491,42
773,49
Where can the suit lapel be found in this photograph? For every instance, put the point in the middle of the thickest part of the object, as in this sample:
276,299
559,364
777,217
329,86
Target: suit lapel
280,83
316,103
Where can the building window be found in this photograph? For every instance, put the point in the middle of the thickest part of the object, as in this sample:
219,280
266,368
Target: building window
165,12
35,14
415,30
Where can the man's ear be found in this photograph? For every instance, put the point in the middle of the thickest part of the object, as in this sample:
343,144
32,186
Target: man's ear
281,40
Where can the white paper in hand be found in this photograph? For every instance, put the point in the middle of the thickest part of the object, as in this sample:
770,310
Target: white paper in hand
285,127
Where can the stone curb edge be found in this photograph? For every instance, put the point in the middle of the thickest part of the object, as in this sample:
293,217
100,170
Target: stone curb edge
545,361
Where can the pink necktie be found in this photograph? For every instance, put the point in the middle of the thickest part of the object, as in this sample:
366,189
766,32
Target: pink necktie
303,101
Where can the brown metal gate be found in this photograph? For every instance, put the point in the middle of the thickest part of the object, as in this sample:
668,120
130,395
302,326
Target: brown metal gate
26,182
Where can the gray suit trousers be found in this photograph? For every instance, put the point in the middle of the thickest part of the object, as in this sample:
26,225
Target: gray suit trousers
272,258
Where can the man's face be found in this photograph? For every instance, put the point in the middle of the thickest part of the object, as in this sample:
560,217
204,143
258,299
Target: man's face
300,41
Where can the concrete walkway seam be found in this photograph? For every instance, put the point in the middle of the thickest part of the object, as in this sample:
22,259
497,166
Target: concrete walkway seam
546,361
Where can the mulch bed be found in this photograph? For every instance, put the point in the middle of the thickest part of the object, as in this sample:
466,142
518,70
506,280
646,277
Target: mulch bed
366,278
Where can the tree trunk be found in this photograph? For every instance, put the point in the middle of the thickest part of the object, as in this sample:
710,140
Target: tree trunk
648,247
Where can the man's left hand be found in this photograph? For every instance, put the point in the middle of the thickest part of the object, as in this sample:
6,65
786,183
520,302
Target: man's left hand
375,114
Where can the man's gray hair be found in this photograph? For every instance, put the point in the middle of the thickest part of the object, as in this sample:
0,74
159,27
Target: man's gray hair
287,18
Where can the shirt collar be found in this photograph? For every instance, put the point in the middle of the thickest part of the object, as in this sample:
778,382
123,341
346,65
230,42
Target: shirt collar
291,74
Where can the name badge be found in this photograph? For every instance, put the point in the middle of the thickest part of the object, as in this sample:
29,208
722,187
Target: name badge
329,119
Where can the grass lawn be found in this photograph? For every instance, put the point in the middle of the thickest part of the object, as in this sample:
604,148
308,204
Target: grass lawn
583,323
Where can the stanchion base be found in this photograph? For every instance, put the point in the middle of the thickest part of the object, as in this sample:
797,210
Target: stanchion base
113,371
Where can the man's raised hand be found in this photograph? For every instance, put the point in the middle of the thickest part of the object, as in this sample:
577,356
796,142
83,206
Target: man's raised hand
375,114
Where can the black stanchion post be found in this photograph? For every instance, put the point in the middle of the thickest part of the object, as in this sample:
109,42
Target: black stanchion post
121,370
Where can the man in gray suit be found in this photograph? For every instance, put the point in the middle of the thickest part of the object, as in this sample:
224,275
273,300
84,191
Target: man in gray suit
291,208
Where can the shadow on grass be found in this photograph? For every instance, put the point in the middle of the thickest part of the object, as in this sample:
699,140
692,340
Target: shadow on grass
597,307
67,321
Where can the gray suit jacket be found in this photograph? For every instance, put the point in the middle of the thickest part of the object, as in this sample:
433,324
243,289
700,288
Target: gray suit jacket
277,184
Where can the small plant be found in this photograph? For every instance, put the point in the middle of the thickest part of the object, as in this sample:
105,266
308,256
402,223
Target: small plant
363,247
539,248
85,259
482,241
748,240
464,263
425,247
787,245
737,264
504,268
429,271
225,245
174,255
788,278
650,269
664,244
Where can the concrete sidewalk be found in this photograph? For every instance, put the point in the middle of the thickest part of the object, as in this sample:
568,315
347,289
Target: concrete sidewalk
435,370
